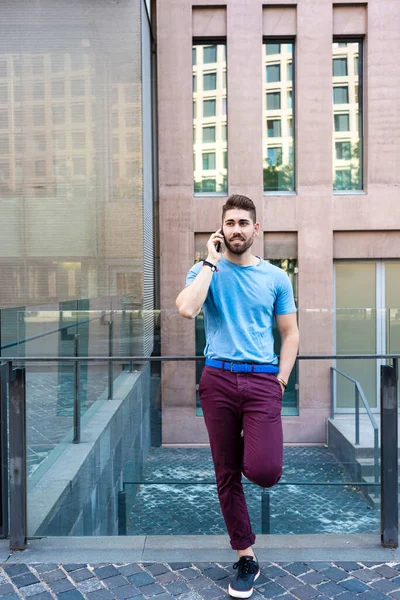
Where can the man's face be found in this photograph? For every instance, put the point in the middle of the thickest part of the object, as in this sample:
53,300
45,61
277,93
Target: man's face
239,230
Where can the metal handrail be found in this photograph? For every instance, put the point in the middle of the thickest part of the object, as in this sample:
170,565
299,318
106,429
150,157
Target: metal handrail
359,392
184,358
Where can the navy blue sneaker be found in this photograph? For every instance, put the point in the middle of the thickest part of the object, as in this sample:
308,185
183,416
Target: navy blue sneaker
247,572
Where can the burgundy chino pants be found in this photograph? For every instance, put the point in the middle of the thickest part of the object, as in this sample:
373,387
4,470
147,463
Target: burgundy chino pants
233,402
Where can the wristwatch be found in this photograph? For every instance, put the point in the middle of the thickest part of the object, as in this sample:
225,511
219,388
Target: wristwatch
208,264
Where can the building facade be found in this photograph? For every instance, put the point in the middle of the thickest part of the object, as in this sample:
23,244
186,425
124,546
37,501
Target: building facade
295,105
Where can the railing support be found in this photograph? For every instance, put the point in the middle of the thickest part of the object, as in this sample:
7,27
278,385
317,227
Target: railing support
265,511
389,457
131,340
332,382
17,416
77,400
110,353
357,416
3,452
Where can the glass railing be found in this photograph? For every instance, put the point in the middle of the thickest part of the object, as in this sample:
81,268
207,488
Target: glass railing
131,412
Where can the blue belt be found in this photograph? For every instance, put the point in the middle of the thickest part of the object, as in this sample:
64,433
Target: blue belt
241,367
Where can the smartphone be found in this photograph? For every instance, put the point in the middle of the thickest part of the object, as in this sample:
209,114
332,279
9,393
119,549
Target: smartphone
218,246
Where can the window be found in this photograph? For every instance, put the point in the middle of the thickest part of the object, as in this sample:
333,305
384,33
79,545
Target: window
58,141
58,115
79,140
78,113
225,160
350,122
4,145
274,127
273,101
209,81
79,165
57,63
4,170
208,161
129,143
57,88
272,48
278,163
209,54
77,87
209,100
39,143
38,116
209,134
342,122
17,92
19,142
209,107
341,95
130,116
273,73
37,65
40,168
275,156
38,90
3,94
343,150
340,67
3,67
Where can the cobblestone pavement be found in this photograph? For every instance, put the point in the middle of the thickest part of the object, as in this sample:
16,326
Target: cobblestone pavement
194,509
198,581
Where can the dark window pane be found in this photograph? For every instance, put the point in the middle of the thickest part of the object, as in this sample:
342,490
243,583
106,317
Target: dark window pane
209,107
343,150
210,54
274,127
290,71
273,101
342,122
340,67
273,73
209,134
341,95
209,81
275,156
208,161
272,48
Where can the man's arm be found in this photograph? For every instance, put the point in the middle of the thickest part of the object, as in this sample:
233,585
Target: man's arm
192,297
287,325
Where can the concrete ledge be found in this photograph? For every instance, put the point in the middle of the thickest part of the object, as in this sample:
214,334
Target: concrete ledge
271,548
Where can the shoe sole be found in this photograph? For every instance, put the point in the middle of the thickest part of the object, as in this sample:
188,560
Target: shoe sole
244,594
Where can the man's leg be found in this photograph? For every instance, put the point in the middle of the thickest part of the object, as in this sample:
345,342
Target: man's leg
223,417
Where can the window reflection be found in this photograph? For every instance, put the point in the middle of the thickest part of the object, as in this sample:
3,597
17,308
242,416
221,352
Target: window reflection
278,138
209,118
347,171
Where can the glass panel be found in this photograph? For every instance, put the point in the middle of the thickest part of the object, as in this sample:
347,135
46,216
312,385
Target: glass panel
278,138
392,302
209,119
356,324
347,165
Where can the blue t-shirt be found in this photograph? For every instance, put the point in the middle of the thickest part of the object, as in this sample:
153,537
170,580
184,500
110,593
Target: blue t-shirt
239,310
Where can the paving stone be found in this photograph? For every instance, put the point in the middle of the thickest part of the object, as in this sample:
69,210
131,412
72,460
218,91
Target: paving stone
11,597
140,579
290,582
319,566
386,571
385,586
130,569
314,578
330,589
216,573
53,575
81,574
100,595
106,572
335,574
45,567
167,577
261,579
347,596
73,566
366,575
179,565
297,568
151,590
164,596
200,582
305,592
212,592
157,569
354,585
6,588
348,565
203,566
271,590
395,595
190,573
14,570
25,579
89,585
373,595
114,582
31,590
126,591
177,587
42,596
321,597
189,596
70,595
274,572
61,585
396,580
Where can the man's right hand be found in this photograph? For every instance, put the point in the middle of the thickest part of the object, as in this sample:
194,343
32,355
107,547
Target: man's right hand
215,238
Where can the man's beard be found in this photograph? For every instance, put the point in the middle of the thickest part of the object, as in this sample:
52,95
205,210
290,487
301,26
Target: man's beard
245,244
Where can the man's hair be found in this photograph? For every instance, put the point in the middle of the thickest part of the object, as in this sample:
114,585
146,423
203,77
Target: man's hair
241,202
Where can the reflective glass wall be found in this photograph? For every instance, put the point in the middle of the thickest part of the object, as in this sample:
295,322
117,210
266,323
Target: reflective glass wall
278,116
210,149
347,115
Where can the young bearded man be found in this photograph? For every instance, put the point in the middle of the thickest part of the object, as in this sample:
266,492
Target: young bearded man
242,385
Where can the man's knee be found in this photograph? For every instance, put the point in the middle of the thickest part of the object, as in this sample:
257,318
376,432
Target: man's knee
263,475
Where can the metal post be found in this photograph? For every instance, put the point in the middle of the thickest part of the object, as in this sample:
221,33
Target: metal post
332,392
77,400
17,416
265,512
110,353
357,416
376,462
131,340
122,512
3,452
389,460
